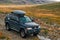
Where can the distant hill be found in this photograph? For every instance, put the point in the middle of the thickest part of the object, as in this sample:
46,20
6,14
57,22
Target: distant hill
24,1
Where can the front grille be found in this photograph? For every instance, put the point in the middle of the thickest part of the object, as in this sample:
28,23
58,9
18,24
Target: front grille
35,27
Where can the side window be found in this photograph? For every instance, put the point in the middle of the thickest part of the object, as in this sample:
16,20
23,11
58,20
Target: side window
13,17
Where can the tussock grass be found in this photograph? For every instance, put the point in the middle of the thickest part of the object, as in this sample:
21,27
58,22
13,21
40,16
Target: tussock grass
49,12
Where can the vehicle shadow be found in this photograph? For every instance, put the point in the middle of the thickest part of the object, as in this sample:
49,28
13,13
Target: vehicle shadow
15,35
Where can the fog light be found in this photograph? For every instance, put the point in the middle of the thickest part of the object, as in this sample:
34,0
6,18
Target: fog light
29,28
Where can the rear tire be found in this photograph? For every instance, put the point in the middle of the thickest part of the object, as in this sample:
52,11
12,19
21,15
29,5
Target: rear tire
8,27
35,34
22,34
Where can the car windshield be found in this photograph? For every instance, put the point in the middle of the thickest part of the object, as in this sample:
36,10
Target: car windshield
25,19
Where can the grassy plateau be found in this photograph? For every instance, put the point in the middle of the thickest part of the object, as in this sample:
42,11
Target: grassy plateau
49,13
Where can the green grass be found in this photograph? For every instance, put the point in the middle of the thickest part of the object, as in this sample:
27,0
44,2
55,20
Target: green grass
51,20
49,9
46,9
55,8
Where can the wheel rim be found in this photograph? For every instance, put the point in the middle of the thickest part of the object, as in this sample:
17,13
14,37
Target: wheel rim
22,34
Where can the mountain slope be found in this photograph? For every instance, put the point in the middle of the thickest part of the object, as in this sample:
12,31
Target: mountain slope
24,1
49,13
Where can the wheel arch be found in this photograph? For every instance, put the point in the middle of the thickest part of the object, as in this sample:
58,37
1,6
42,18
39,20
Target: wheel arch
6,23
21,29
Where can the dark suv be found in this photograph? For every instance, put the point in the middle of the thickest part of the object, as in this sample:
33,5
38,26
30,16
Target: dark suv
17,21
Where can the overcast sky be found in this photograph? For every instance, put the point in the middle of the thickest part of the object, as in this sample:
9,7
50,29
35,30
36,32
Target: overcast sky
55,0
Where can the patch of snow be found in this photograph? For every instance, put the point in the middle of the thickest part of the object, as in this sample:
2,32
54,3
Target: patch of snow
42,37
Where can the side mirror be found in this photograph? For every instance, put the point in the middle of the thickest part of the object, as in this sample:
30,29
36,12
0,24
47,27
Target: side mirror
32,20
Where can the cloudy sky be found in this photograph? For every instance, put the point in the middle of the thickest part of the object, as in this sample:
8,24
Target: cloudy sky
55,0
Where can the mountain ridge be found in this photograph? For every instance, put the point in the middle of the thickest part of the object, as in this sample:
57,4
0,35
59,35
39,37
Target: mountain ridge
24,1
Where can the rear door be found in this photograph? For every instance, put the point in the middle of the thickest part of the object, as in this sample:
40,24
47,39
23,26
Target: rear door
12,21
15,22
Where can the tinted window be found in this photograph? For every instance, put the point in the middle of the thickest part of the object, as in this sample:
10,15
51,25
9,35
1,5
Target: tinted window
25,19
13,17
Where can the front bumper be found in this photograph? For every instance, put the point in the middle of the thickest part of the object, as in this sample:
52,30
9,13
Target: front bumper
33,31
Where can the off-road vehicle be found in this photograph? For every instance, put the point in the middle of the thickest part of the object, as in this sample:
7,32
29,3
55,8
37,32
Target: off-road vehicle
18,21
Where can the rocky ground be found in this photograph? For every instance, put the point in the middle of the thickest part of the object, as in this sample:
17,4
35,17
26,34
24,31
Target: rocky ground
47,31
13,35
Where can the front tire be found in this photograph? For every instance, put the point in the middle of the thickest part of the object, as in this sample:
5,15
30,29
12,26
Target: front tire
35,34
22,34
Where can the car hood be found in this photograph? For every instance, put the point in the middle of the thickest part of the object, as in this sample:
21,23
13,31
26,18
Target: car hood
31,24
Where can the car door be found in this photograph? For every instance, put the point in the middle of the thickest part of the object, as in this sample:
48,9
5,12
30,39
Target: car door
11,20
16,23
12,24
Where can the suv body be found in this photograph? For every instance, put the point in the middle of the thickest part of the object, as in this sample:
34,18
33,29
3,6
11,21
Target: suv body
17,21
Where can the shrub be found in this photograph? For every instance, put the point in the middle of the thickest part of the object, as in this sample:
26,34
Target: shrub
3,36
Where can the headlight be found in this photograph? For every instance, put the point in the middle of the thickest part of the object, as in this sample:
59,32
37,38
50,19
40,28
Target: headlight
39,26
29,28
